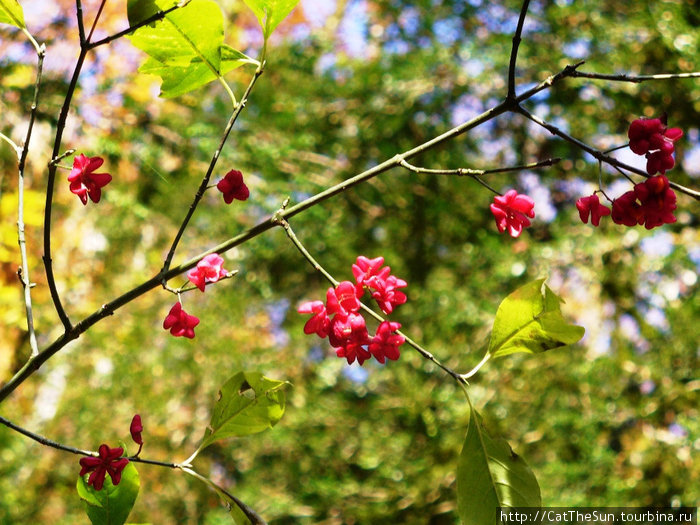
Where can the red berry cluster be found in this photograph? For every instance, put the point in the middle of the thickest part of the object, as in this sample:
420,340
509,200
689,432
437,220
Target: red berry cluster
651,137
340,319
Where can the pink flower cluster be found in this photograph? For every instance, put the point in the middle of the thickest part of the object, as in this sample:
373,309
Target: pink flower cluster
651,137
651,202
208,270
340,319
512,212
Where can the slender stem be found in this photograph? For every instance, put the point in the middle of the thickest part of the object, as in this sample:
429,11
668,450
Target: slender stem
81,23
45,441
97,17
600,155
205,180
24,270
65,448
297,243
153,18
634,78
60,127
474,370
471,172
253,516
514,50
11,142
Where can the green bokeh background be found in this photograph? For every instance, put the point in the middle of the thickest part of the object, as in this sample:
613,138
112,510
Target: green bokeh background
610,422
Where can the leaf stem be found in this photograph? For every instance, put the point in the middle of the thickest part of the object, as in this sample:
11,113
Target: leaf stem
253,516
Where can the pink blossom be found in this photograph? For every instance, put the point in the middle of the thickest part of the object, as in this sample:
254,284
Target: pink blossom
319,323
591,206
233,187
342,299
626,210
208,270
349,337
386,294
652,138
512,211
179,322
657,200
84,182
109,462
365,269
135,429
385,344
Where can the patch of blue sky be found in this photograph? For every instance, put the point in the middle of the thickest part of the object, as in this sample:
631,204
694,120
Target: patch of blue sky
658,245
691,157
325,62
467,107
540,193
353,29
579,48
473,67
409,20
317,12
356,373
657,318
396,46
448,30
498,19
537,97
575,187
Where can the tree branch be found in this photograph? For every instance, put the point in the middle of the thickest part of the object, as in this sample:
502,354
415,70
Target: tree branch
514,50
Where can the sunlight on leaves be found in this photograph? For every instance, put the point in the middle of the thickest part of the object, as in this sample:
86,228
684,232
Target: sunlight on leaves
248,403
530,320
11,13
271,12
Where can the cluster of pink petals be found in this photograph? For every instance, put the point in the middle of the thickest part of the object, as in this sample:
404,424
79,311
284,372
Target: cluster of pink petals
513,212
110,461
84,182
591,207
233,187
208,270
340,319
651,137
650,203
179,322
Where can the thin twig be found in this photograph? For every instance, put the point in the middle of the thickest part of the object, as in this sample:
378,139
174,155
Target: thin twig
153,18
600,155
205,180
634,78
514,50
253,516
94,22
81,24
60,127
21,240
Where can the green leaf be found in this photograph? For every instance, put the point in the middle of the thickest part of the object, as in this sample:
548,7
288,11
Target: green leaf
238,516
180,80
186,48
11,13
490,475
139,10
112,504
248,403
530,320
271,12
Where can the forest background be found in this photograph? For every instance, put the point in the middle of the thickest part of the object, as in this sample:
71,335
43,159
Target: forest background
612,421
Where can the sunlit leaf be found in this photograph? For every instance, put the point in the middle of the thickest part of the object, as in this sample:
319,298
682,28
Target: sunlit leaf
271,12
490,475
186,48
529,320
11,13
139,10
112,504
248,403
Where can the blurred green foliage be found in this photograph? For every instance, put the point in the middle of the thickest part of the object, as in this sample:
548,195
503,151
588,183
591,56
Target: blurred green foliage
610,422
